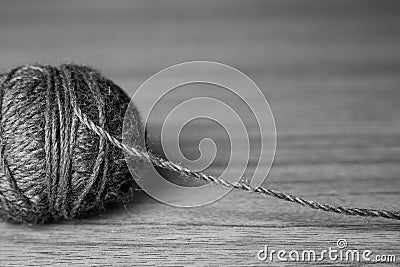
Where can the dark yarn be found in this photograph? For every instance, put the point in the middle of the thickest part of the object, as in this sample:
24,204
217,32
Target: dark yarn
52,166
61,154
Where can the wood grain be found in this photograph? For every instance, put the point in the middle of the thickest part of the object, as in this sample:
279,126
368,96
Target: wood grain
331,74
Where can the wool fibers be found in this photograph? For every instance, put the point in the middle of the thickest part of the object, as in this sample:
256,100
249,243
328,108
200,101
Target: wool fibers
52,166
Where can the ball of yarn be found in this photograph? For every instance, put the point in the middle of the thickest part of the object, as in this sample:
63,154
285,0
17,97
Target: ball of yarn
51,165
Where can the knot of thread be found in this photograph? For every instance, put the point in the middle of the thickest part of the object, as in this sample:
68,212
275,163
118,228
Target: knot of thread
52,166
61,155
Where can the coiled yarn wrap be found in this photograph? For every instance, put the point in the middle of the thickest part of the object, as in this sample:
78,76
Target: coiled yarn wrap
52,166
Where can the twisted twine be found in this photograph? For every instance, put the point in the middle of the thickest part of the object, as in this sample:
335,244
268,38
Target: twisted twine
60,130
51,167
165,164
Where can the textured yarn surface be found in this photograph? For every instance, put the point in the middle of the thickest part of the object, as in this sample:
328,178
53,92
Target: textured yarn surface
61,155
52,165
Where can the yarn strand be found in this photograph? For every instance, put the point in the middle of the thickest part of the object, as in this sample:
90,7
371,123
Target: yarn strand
165,164
12,182
61,150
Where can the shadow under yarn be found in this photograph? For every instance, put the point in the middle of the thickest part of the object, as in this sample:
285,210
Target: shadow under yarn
52,166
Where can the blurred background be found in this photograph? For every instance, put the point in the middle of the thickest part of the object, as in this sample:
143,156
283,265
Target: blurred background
330,71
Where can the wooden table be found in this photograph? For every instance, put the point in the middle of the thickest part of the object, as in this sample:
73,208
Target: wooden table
330,71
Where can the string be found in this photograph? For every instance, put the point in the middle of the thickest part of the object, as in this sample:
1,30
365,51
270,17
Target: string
166,164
